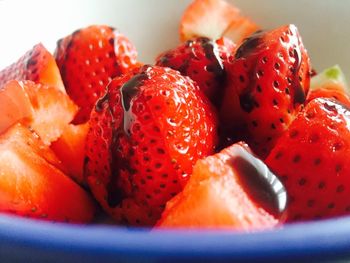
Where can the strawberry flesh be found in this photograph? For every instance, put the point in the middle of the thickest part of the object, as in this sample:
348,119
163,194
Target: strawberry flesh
37,65
231,189
30,186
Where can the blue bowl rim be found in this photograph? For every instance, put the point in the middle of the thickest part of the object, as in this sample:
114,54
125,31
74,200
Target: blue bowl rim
326,239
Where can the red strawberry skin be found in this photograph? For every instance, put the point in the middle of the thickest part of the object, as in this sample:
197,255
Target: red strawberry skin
145,136
268,81
89,59
37,65
203,60
312,158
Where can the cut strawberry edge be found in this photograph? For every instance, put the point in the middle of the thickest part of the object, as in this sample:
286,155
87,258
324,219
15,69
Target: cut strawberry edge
332,75
53,110
207,18
15,105
32,187
330,83
70,149
241,28
37,65
215,197
215,19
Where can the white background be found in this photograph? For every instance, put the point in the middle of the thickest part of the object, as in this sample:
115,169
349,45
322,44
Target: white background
153,24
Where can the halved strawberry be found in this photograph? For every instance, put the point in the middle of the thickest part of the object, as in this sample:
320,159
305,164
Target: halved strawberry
267,84
70,149
45,109
32,187
89,59
53,110
37,65
215,19
15,105
330,83
240,28
231,189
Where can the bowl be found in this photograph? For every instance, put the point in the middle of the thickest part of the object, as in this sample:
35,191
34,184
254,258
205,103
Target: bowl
153,27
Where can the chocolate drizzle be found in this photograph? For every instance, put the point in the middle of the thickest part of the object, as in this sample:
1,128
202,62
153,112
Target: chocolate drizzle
259,182
128,92
212,53
299,96
250,44
130,89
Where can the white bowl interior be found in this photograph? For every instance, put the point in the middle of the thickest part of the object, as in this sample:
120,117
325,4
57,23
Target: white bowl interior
152,25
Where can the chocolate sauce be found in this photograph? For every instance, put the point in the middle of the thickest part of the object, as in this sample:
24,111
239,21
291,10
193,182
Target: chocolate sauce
299,96
250,44
212,53
259,182
130,89
119,162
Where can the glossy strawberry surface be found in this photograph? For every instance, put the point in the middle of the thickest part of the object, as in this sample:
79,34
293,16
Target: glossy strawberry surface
89,59
312,159
268,82
145,135
203,60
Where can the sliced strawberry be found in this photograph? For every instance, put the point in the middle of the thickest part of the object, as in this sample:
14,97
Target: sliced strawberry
231,189
15,105
203,60
37,65
31,187
45,109
313,160
268,82
145,136
89,59
215,19
330,83
240,28
70,149
53,110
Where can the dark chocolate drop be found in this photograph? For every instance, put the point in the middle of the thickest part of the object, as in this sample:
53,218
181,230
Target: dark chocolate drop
299,95
250,44
260,183
130,89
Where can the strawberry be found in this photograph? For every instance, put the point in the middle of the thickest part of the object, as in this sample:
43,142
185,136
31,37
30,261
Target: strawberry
37,65
32,187
88,60
215,19
202,60
15,105
44,108
146,133
330,83
240,28
312,159
267,84
231,189
70,149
